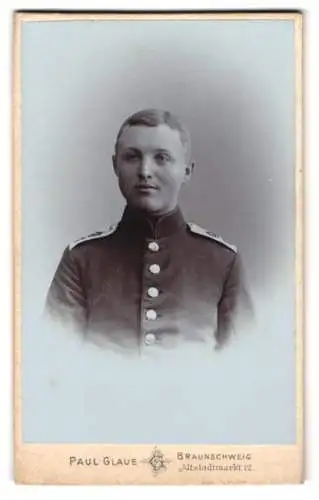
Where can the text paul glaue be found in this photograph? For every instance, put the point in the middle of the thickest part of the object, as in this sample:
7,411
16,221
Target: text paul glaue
108,461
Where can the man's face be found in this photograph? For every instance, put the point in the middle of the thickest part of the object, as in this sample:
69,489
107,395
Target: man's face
151,165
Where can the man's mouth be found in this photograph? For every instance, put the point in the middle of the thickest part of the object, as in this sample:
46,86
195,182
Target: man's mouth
145,188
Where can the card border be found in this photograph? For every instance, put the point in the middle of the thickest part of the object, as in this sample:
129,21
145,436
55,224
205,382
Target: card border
32,461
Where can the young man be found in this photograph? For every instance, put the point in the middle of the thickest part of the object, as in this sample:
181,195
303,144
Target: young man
152,281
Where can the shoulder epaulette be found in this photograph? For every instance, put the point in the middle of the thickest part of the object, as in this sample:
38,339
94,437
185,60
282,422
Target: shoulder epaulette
208,234
93,236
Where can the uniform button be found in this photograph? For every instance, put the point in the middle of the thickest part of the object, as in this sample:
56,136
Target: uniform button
154,268
151,314
153,292
153,246
149,339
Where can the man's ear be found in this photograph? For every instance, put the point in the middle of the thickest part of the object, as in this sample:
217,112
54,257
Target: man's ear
189,171
114,164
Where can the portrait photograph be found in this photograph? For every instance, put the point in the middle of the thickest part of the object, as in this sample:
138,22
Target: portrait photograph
157,247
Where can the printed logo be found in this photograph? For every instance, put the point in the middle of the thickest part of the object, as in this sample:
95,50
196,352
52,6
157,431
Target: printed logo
157,461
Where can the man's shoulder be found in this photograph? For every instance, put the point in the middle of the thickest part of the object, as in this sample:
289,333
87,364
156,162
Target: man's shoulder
97,235
197,230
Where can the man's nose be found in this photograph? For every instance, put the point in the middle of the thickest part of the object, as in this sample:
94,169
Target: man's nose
145,168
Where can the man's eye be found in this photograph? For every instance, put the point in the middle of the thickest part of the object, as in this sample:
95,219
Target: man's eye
130,156
162,157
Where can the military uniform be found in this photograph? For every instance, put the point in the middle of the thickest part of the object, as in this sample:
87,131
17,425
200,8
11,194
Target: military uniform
148,284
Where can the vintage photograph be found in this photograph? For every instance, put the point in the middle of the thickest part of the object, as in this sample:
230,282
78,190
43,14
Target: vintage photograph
158,276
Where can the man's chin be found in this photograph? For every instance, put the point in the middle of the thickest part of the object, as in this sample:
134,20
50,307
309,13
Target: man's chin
147,206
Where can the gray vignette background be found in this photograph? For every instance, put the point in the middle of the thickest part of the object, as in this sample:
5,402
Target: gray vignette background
232,83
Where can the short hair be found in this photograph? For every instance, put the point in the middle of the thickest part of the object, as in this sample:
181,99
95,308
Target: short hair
153,118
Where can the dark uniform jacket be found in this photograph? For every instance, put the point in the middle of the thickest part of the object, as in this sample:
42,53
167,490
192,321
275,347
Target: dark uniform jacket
150,283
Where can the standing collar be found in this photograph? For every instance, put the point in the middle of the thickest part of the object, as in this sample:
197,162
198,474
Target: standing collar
139,223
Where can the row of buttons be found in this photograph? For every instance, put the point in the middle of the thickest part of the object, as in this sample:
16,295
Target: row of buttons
153,292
